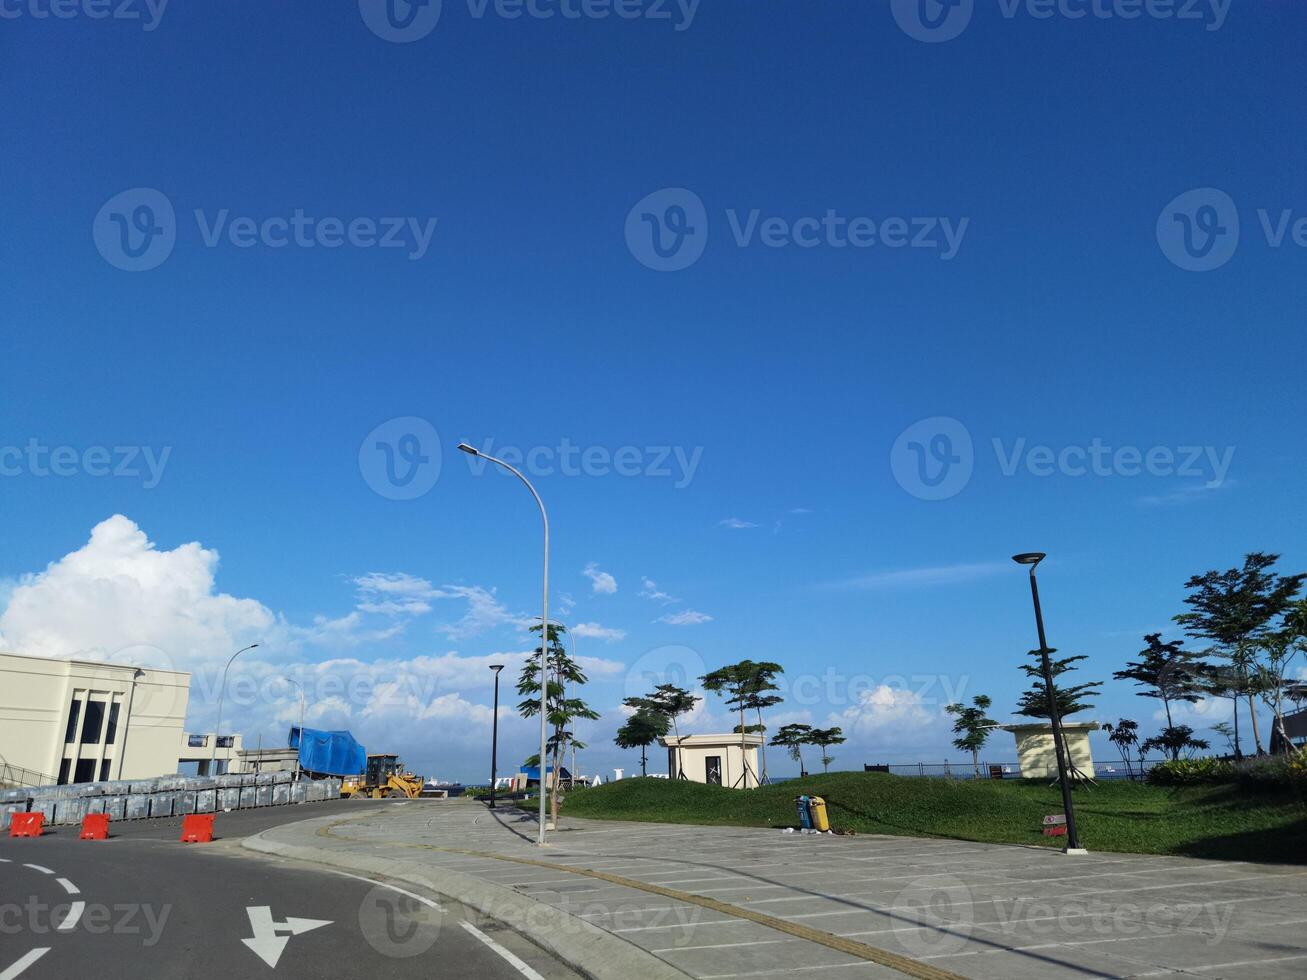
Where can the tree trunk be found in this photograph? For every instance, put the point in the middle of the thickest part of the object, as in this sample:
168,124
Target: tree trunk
975,760
1238,751
762,749
643,770
1252,713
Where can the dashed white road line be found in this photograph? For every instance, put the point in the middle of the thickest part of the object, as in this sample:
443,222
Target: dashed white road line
23,962
508,956
68,886
75,911
37,867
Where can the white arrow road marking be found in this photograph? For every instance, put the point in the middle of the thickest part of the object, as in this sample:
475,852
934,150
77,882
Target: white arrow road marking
37,867
24,962
267,945
74,914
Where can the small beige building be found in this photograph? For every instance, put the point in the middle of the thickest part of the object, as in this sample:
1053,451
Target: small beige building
722,760
1037,754
75,721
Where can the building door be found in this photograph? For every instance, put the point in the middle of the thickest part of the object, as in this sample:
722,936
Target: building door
714,775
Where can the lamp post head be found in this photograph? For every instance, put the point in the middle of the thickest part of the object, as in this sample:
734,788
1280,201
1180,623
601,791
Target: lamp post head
496,667
468,449
1031,558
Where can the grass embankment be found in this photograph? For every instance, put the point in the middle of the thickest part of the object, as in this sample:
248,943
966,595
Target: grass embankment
1224,822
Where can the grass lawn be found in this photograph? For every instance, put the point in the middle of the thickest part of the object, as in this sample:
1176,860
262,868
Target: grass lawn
1226,822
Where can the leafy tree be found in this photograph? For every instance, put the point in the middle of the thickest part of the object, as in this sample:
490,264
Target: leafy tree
1124,735
1167,672
794,737
640,731
745,687
1070,700
1226,731
1281,647
1234,609
562,710
671,702
1174,740
973,727
826,737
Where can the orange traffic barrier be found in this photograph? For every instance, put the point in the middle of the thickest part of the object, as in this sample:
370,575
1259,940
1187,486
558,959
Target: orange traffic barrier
95,826
197,828
26,824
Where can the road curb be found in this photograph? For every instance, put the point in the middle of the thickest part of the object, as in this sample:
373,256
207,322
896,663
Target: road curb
584,947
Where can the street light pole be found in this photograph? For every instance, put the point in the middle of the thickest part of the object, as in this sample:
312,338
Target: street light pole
494,736
217,732
544,631
291,680
1032,559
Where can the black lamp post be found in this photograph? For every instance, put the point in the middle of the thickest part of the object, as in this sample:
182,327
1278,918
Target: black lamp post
1032,559
494,737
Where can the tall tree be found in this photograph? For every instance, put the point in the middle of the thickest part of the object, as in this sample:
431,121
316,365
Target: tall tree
1176,739
973,727
640,731
671,702
1166,671
1281,648
1234,609
564,672
793,738
742,685
1069,699
1124,735
826,737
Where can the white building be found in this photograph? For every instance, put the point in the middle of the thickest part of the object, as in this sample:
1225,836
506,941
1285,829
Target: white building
73,721
722,760
1038,755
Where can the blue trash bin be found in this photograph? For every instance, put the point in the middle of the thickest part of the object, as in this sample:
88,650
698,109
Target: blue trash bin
805,815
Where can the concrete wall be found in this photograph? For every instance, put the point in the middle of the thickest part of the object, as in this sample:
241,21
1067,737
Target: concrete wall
695,751
1038,755
37,695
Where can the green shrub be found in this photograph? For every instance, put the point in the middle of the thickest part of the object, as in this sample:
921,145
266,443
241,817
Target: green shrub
1189,772
1271,771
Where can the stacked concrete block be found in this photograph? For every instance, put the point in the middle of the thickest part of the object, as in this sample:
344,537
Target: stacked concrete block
280,793
69,811
161,804
229,798
205,800
116,807
264,795
95,804
137,806
249,797
282,776
298,792
185,803
7,810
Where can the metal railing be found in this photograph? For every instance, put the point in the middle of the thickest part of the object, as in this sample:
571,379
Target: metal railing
18,777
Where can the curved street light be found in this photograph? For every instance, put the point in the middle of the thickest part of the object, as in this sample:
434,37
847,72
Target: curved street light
544,633
1031,559
494,736
217,732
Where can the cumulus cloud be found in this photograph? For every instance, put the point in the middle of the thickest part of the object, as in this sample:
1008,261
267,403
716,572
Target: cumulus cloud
601,583
686,617
598,632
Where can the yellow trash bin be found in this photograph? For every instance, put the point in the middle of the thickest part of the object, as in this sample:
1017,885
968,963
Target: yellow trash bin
817,807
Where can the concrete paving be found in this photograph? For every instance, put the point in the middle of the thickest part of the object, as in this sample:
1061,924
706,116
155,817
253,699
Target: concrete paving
687,898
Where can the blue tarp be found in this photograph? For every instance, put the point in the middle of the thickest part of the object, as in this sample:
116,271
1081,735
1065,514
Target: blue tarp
333,753
533,772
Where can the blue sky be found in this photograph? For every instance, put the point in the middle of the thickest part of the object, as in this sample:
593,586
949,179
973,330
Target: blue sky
534,315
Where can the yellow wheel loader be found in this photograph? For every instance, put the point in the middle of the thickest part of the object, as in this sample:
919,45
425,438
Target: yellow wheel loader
385,777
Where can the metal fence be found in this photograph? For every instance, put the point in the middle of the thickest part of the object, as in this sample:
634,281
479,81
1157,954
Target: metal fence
1001,770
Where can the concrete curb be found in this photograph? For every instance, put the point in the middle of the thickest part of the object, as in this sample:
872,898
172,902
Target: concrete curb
584,947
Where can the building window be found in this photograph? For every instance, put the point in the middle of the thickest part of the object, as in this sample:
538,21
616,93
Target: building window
63,770
85,772
74,713
197,741
226,741
113,724
104,767
94,721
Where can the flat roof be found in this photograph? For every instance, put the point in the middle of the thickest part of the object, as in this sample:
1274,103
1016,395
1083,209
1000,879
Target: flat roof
98,664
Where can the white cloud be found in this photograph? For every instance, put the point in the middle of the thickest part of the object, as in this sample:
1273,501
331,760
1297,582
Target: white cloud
600,582
938,575
484,612
649,590
686,617
886,708
598,632
735,522
798,510
1185,494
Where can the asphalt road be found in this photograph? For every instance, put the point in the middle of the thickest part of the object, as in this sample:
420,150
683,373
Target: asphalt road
141,904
